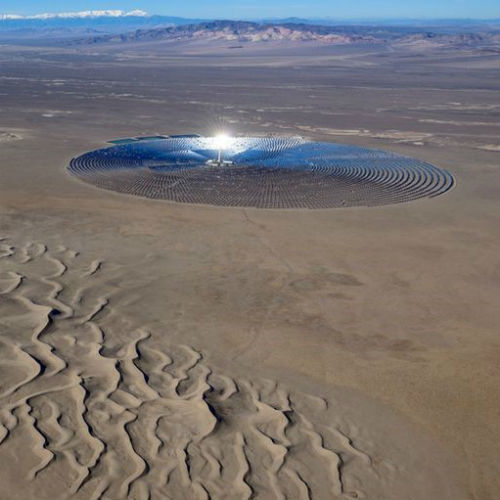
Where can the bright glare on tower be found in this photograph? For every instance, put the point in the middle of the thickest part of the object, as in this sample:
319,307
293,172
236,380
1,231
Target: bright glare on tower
222,141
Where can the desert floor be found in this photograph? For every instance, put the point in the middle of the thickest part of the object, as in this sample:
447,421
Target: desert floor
153,349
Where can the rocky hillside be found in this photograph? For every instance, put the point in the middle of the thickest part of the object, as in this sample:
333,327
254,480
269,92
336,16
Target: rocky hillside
241,31
247,32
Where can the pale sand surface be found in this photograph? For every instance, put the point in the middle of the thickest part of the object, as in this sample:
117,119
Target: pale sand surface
179,351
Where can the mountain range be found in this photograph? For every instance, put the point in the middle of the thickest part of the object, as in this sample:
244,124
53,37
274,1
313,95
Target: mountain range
85,14
251,32
118,26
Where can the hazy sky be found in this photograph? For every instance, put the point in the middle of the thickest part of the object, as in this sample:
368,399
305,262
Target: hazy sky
231,9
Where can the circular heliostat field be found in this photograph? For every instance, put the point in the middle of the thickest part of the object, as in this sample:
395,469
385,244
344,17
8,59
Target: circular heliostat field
272,172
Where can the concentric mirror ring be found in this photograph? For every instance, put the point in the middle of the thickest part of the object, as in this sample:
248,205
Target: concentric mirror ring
270,172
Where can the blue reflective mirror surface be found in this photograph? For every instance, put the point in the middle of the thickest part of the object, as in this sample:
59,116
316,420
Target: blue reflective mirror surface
262,172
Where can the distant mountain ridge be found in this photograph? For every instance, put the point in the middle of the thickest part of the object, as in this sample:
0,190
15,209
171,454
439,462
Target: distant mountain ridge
241,31
249,32
118,26
79,14
64,25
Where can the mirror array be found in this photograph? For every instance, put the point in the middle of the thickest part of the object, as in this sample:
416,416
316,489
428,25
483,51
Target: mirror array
262,172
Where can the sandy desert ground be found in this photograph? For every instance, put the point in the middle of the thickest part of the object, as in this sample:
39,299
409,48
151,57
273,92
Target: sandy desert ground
159,350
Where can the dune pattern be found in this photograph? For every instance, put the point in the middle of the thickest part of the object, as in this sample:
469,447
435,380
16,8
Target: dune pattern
105,415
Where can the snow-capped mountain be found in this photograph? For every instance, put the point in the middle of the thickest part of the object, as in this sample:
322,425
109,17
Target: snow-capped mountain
78,15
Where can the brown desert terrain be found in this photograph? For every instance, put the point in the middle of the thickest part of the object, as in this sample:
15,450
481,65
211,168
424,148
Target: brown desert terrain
152,349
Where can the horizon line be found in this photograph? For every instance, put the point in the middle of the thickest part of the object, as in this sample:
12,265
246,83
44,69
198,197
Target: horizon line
11,16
